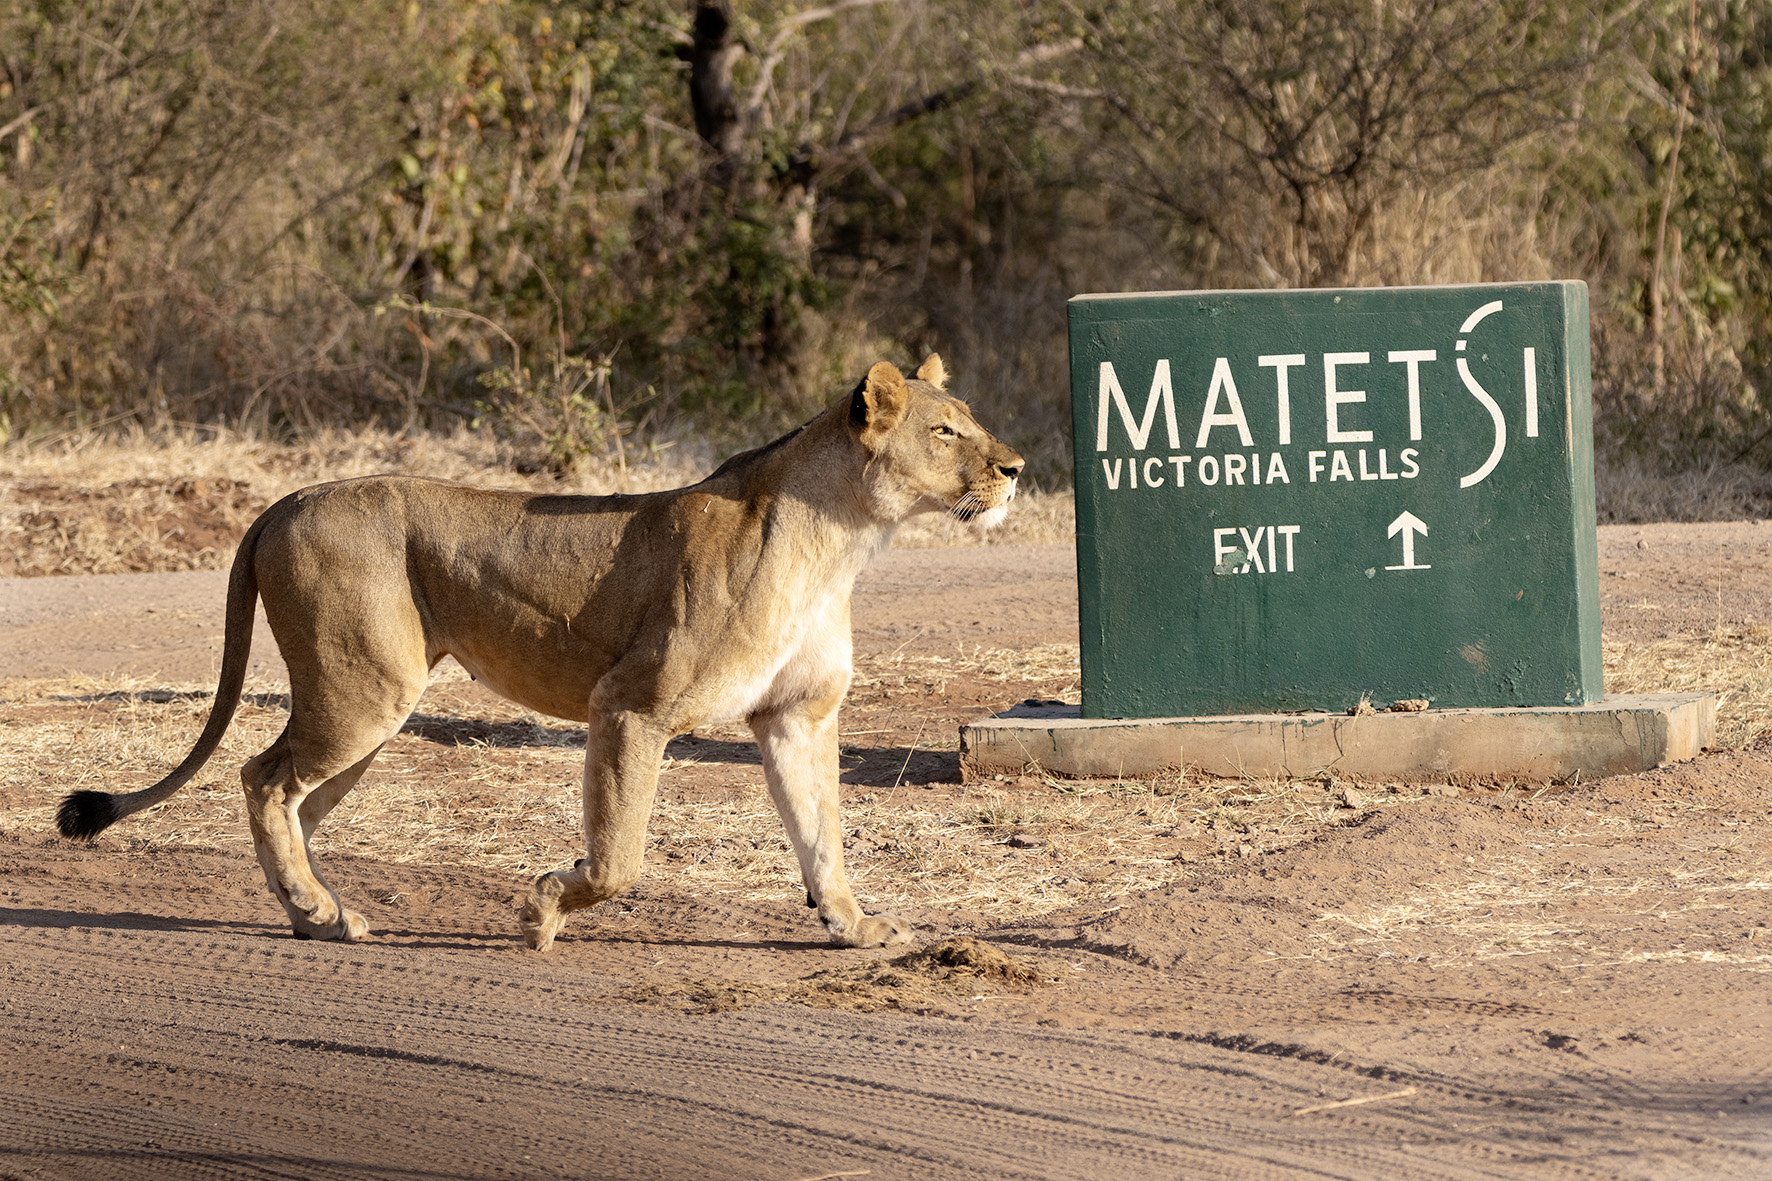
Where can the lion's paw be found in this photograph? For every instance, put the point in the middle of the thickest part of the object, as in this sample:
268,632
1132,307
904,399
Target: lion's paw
875,930
348,927
541,917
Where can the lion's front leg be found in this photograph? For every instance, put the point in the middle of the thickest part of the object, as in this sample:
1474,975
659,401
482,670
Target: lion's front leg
623,751
799,746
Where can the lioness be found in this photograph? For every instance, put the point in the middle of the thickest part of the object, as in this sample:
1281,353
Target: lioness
643,616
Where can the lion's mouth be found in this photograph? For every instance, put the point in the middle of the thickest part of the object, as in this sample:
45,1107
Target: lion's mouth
973,505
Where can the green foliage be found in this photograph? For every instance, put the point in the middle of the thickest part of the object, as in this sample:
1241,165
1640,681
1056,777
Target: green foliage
570,414
1695,75
288,212
29,276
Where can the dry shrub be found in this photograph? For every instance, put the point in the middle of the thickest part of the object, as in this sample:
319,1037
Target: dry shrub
95,459
126,527
1036,518
1477,227
1636,489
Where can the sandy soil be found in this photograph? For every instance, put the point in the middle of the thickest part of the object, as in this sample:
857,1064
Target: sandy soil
1570,983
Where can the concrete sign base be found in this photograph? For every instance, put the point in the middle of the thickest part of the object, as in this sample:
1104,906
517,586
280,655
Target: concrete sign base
1613,736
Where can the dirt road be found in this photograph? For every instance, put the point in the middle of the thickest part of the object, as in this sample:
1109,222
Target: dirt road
1290,982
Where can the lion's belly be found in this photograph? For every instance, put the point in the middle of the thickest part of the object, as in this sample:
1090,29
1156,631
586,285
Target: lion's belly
558,692
707,672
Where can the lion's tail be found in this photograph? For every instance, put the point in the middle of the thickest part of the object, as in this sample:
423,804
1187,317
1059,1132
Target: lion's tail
85,814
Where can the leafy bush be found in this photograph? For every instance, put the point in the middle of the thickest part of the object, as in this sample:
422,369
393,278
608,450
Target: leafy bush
561,221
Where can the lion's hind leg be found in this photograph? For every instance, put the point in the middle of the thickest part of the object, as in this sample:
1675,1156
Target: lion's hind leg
283,813
358,662
331,739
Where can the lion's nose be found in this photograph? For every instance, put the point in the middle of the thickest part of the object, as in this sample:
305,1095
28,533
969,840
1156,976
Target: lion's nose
1011,470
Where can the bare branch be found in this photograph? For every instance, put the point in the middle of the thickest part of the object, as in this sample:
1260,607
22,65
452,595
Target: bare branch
676,36
22,121
772,55
865,79
1034,55
1055,88
948,96
904,113
892,192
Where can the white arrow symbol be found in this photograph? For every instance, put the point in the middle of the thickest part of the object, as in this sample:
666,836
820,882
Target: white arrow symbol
1408,524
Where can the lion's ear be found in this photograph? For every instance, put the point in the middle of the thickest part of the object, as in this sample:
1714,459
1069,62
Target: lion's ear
933,372
879,399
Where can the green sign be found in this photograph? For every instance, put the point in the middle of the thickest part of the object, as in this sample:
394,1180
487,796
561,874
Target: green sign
1295,500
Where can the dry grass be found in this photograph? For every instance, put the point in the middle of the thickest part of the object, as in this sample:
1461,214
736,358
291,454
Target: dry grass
1647,904
1051,670
1632,490
994,851
997,850
180,500
499,790
87,503
1734,663
1518,906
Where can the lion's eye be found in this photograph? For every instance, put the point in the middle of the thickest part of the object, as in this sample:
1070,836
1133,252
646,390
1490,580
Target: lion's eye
944,431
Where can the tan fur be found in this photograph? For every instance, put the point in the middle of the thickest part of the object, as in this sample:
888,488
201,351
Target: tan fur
642,616
933,372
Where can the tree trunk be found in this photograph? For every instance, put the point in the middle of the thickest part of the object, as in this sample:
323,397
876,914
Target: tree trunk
1657,325
712,52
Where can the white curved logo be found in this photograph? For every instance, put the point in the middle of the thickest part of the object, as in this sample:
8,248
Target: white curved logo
1482,396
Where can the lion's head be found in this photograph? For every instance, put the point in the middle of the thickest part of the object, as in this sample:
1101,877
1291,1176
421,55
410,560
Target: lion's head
925,451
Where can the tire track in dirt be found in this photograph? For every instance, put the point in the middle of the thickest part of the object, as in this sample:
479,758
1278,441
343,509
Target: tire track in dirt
138,1042
246,1054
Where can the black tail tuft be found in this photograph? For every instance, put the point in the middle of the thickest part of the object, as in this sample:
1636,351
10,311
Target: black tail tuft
85,814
